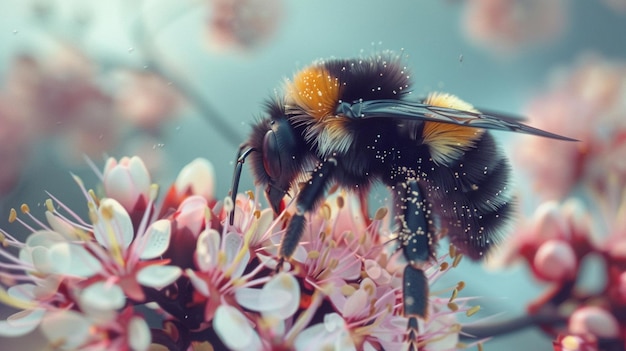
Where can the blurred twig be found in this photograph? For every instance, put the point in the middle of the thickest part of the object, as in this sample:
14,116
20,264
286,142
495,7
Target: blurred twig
145,44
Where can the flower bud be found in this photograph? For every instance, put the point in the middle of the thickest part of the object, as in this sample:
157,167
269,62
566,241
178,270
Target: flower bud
196,178
594,320
555,260
128,182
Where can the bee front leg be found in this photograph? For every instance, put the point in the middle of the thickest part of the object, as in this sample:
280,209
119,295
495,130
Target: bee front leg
308,198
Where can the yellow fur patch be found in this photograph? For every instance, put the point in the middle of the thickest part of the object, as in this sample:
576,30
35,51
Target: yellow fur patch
315,91
447,142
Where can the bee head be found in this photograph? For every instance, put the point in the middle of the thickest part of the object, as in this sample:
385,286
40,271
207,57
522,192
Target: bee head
280,150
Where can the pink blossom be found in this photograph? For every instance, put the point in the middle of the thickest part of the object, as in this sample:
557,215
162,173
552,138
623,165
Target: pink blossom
71,330
145,99
586,103
59,96
555,260
242,24
210,281
595,321
576,342
555,233
508,25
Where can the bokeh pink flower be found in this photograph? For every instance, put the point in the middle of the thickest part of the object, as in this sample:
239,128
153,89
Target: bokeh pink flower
507,26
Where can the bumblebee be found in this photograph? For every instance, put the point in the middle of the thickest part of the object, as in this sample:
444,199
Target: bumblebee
352,122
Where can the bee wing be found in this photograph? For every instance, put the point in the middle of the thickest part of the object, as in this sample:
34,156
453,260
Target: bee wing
409,110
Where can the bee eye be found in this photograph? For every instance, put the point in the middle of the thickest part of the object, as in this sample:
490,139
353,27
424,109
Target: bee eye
271,155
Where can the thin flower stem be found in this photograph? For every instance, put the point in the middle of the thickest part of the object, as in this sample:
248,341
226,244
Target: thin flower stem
486,330
145,40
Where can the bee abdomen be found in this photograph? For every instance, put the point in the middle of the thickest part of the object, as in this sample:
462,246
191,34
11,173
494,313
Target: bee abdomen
475,207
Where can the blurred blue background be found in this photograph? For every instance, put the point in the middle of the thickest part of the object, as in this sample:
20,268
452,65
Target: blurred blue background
234,79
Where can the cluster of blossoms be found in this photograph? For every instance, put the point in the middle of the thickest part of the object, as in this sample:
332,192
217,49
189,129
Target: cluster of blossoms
242,24
63,98
584,217
209,284
508,25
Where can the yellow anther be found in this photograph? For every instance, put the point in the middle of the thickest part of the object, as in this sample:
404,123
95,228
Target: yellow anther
460,285
452,251
472,311
453,306
49,205
455,292
195,346
207,215
250,194
571,342
340,201
24,208
94,197
313,254
457,260
154,191
381,213
12,215
333,189
325,211
347,290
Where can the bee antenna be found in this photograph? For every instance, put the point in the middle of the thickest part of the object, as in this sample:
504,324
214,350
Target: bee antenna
244,152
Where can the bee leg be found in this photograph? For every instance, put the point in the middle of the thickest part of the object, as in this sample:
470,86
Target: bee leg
417,242
307,199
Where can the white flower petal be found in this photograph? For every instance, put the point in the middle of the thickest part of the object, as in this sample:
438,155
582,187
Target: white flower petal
300,255
309,339
47,287
263,224
42,261
21,323
140,174
113,226
350,267
127,181
355,304
232,246
333,322
157,239
70,327
25,292
44,238
330,335
39,239
249,298
139,334
158,277
282,288
60,226
74,260
198,176
191,213
198,283
234,329
207,249
325,336
102,296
